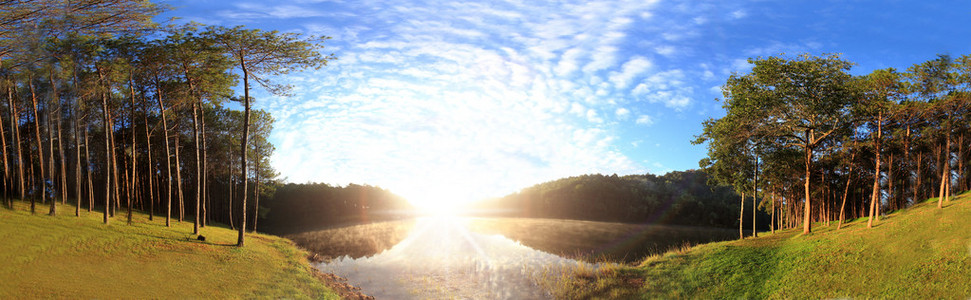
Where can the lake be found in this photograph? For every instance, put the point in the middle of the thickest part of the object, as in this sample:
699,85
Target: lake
483,258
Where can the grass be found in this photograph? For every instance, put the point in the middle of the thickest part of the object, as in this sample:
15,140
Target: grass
80,257
919,253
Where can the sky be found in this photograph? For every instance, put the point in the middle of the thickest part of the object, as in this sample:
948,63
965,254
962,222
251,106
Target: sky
451,101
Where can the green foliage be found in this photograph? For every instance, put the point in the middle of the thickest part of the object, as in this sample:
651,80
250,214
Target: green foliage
265,54
79,257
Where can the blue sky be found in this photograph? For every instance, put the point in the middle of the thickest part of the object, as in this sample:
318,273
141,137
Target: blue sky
454,100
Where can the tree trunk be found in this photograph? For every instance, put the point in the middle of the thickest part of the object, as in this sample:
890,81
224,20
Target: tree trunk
891,199
806,222
195,136
7,179
15,135
825,205
772,217
108,160
755,197
60,147
205,170
168,159
907,160
917,186
246,113
32,175
50,146
151,165
232,194
875,194
178,176
127,191
77,163
961,173
846,191
256,188
40,148
87,161
946,171
115,182
195,133
134,150
741,217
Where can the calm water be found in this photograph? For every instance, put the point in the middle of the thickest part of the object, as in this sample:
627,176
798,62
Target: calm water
441,258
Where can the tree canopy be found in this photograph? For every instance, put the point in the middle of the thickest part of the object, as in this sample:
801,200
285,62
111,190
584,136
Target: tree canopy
897,129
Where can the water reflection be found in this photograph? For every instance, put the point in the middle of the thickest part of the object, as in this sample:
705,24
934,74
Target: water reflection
441,258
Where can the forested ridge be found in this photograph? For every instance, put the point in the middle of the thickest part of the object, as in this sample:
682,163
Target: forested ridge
296,208
680,197
106,109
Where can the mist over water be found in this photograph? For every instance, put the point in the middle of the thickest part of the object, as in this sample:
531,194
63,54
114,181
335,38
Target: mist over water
441,258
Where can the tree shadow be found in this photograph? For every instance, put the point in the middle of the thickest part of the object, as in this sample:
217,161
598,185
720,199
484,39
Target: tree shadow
845,226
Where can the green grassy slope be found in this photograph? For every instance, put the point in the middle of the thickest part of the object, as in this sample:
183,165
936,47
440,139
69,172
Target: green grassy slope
919,253
70,257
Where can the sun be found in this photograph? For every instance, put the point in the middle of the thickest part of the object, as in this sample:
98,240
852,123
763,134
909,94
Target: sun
438,198
437,202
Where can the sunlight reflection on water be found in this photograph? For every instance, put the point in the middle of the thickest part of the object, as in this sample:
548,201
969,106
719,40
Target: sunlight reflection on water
441,258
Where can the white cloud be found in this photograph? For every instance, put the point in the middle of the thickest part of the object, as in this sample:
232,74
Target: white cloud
593,117
577,109
738,14
644,120
631,69
668,87
604,57
622,113
568,62
664,50
250,11
739,66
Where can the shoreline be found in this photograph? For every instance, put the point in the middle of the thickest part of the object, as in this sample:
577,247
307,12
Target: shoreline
336,283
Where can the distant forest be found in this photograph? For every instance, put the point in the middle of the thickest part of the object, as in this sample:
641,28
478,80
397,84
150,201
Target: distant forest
677,198
298,208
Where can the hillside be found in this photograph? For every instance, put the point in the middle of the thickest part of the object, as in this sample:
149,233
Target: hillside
675,198
919,253
70,257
